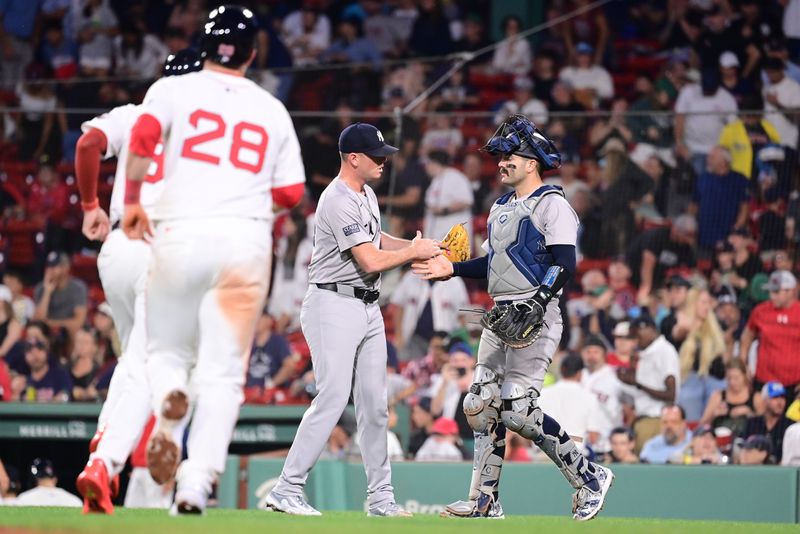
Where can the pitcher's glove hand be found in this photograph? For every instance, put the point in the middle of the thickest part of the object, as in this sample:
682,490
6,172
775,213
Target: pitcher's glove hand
456,243
517,324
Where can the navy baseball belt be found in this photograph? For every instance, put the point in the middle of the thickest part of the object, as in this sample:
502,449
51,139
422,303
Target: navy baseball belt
367,295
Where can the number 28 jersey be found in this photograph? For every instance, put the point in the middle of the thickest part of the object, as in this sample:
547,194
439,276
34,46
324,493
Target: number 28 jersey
227,144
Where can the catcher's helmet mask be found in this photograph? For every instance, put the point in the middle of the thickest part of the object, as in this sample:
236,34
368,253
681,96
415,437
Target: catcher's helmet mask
229,36
519,136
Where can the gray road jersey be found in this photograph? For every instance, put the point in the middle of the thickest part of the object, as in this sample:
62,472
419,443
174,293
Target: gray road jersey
519,234
344,219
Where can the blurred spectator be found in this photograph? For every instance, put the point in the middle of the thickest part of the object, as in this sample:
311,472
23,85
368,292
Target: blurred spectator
270,364
720,201
350,45
44,382
589,27
622,445
473,170
677,292
95,25
84,365
732,406
449,198
545,75
717,36
654,252
422,307
619,280
452,384
110,344
654,377
513,55
59,53
46,492
746,263
421,423
648,121
599,321
10,328
702,111
703,448
571,403
60,298
473,39
731,81
701,348
756,450
563,101
306,32
781,94
188,16
745,136
290,278
580,306
441,136
776,48
384,31
602,381
17,34
441,445
517,448
80,92
523,103
35,123
6,391
592,82
35,331
48,199
393,446
421,371
729,316
776,325
138,55
771,224
773,423
624,345
430,33
674,437
340,442
406,199
405,13
791,446
457,92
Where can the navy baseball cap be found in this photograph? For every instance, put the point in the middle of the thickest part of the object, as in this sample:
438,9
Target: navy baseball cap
42,468
366,139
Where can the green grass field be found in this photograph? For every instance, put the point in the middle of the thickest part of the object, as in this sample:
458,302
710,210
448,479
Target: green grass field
26,519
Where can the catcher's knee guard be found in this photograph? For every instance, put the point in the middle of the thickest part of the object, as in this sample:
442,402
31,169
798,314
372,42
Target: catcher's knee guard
521,412
482,403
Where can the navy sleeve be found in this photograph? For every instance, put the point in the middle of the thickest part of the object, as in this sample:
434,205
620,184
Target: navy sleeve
564,255
475,268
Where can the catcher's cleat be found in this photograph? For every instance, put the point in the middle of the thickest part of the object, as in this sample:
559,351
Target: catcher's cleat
586,504
93,485
391,509
469,510
163,454
290,504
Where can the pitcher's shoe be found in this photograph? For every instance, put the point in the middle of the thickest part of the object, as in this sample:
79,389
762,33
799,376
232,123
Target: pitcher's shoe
290,504
469,509
586,503
391,509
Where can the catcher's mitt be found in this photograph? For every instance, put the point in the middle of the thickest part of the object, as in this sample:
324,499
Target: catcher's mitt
456,243
517,324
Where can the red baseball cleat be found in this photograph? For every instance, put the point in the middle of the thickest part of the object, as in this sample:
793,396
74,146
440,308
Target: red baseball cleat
93,485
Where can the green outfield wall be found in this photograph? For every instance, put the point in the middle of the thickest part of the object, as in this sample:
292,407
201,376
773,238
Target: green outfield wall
732,493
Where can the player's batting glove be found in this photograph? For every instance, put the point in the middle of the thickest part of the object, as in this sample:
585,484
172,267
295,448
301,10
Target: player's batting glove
135,222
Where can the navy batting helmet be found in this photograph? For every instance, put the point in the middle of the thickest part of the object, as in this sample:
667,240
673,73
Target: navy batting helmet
42,468
518,135
229,36
182,62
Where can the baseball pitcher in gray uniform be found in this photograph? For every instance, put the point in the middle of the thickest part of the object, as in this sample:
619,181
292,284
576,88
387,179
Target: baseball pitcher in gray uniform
530,256
343,324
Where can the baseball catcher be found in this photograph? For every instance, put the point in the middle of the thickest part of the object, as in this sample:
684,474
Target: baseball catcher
530,256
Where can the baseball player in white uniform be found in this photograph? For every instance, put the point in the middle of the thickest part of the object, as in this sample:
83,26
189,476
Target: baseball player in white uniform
231,153
343,325
122,265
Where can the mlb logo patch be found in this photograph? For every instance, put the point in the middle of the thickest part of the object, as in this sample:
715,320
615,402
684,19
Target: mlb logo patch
226,50
351,229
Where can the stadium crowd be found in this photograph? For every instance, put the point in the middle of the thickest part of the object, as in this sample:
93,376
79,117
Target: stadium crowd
678,123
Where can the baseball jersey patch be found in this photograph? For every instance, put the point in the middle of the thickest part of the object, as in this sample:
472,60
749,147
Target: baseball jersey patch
351,229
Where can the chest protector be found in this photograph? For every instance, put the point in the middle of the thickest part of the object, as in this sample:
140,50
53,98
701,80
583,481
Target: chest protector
518,257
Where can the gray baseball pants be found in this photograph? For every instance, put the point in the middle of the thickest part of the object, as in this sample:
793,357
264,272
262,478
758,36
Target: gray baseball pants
348,352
